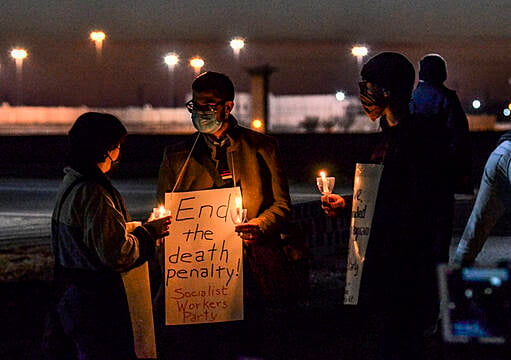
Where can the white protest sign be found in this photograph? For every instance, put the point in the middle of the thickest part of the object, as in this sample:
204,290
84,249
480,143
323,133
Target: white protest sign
203,261
365,191
138,293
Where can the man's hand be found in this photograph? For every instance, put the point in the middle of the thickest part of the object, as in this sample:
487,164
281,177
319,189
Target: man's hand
332,204
159,228
250,233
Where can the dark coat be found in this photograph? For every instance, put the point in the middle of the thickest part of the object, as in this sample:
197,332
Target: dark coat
91,247
255,162
256,165
433,100
399,262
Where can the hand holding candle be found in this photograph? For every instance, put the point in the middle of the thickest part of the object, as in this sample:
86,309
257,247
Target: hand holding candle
158,223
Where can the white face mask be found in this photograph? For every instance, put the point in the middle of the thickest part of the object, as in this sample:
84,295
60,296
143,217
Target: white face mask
114,164
206,121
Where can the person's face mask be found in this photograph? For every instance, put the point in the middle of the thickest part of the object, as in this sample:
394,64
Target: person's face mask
114,164
207,118
206,121
373,101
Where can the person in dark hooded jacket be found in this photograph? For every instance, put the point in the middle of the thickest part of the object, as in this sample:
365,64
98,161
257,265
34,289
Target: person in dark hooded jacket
398,300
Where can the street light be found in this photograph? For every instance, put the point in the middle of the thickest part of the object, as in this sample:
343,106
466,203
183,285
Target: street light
237,44
171,59
257,125
340,95
359,52
98,37
197,63
19,55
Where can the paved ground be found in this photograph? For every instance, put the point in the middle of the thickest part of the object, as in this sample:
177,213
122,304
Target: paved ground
321,329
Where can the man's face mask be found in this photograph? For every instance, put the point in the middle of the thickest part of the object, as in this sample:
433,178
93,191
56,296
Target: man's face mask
373,101
206,121
204,118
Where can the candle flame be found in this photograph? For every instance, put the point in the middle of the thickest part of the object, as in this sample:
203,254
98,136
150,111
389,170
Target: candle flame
238,203
162,210
322,173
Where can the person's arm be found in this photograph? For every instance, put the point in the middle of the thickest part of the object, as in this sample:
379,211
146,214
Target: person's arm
461,148
105,233
274,216
487,210
166,178
271,220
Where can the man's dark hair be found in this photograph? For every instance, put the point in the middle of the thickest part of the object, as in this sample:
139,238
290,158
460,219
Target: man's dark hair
218,83
392,71
432,68
92,136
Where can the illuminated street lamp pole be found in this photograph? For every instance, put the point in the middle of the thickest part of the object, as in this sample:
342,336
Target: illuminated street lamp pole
237,44
197,63
98,37
19,55
359,52
171,59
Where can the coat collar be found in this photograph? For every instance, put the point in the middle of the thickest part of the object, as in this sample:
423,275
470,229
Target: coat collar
230,137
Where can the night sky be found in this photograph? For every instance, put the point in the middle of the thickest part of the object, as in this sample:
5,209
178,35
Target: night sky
308,42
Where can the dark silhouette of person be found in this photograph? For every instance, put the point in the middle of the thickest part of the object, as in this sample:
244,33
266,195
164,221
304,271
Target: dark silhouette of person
398,301
434,100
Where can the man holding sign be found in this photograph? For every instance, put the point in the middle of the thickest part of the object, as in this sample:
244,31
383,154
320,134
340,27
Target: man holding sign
398,299
223,155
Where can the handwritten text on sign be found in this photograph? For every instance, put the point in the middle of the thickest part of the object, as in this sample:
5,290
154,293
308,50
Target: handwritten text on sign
365,191
203,258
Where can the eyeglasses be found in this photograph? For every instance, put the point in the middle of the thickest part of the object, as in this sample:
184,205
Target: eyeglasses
193,106
362,85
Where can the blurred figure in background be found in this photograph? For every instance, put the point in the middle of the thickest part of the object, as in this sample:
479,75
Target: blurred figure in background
433,100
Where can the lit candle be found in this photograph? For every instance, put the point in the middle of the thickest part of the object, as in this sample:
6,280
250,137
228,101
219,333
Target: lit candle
237,203
323,180
160,212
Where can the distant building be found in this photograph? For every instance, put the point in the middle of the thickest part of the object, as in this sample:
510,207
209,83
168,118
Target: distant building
287,114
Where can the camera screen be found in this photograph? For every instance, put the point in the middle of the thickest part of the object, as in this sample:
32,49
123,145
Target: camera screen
475,304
